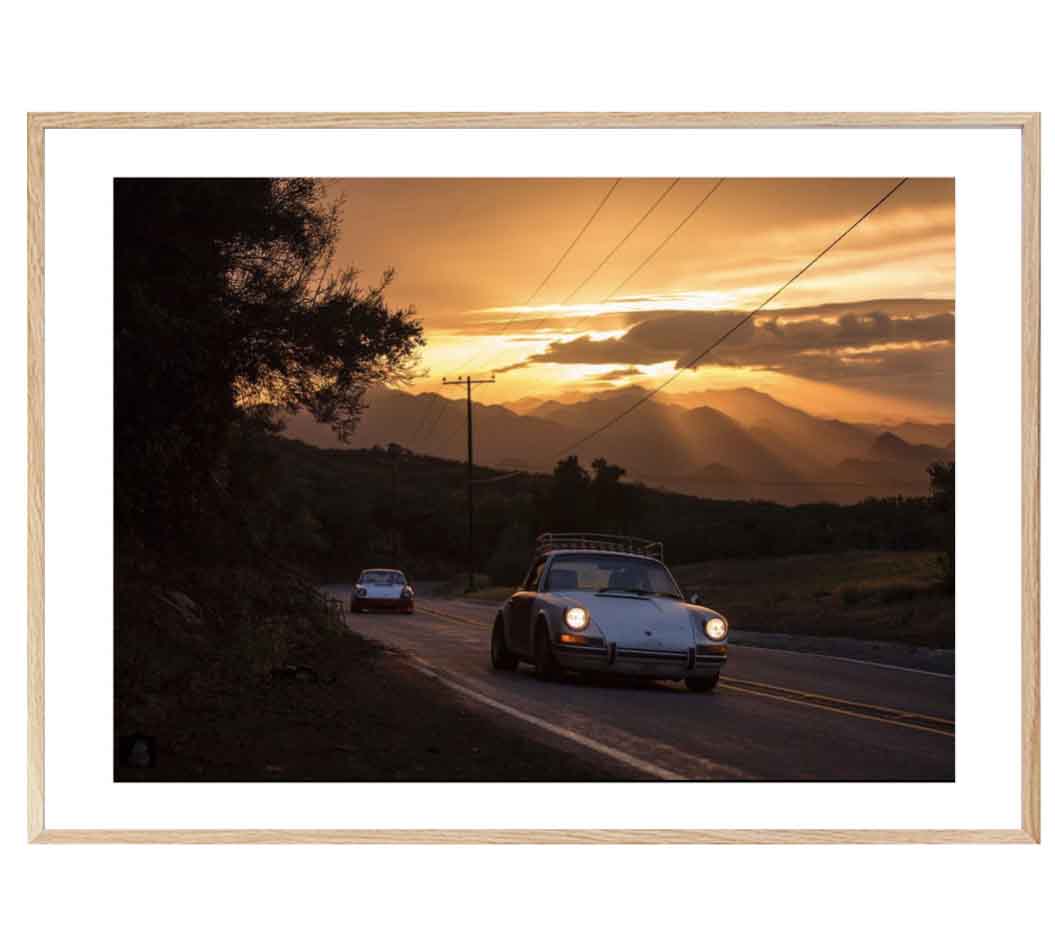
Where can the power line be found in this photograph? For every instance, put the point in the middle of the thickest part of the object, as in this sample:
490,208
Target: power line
619,244
699,205
570,247
560,260
502,477
437,418
641,220
648,395
534,293
663,243
666,240
522,473
421,420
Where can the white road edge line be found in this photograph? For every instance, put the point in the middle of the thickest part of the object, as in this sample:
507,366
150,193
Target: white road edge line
621,756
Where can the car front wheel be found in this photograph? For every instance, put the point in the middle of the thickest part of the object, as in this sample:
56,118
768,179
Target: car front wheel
702,683
501,658
546,667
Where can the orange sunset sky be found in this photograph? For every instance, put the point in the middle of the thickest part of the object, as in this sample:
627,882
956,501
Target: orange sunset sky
867,334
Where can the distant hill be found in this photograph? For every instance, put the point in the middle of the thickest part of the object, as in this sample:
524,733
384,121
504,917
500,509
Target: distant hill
737,444
920,433
718,474
524,406
808,443
888,447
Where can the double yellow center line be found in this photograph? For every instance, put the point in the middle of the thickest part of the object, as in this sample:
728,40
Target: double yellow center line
829,703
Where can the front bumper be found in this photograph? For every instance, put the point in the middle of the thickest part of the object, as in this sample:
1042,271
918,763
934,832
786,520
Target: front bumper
389,604
702,660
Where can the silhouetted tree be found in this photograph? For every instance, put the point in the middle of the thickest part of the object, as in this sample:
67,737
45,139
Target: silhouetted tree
225,296
614,503
569,496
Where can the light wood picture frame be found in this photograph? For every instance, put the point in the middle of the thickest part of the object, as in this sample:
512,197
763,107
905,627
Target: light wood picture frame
1028,124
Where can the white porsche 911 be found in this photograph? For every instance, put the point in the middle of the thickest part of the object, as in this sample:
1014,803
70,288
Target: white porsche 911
605,603
383,589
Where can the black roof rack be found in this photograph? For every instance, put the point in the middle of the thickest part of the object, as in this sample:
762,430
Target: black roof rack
615,543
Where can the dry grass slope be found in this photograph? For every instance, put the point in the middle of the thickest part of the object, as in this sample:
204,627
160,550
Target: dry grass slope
878,595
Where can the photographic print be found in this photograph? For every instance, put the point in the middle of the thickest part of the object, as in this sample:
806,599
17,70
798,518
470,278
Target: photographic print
543,480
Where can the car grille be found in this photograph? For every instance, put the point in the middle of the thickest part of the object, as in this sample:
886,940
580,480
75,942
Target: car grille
667,655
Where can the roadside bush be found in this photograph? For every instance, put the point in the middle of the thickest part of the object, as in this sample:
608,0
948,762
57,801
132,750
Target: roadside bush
508,564
850,595
457,585
181,633
898,592
946,573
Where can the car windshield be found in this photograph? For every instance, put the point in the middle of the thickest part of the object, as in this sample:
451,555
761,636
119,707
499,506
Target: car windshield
611,573
384,578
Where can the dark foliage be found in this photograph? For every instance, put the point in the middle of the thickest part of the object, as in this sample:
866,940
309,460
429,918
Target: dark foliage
423,502
943,503
223,296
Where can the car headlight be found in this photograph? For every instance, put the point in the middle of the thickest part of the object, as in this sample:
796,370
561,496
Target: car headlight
716,628
407,592
576,617
360,591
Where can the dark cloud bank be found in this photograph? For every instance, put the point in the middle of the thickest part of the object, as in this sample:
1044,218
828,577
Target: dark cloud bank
864,340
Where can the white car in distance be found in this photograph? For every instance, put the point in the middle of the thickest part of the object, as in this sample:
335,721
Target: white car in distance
382,589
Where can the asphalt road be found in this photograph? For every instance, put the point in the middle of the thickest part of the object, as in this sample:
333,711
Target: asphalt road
776,716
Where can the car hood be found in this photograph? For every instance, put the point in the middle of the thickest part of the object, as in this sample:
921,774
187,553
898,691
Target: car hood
639,622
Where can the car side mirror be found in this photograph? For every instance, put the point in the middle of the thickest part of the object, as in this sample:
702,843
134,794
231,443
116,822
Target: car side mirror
695,599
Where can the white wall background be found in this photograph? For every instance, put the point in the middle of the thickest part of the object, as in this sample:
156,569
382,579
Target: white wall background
896,56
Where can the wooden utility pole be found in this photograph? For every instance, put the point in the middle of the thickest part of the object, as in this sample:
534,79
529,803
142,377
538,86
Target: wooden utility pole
395,452
469,382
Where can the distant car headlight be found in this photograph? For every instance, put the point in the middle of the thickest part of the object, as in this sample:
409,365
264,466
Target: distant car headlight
360,591
716,628
576,617
407,592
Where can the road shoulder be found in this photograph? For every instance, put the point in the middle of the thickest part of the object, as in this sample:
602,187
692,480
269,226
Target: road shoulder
348,709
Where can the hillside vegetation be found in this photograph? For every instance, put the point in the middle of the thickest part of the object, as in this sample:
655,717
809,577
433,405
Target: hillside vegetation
879,595
363,507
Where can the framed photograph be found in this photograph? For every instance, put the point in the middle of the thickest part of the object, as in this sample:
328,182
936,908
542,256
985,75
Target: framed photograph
534,478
